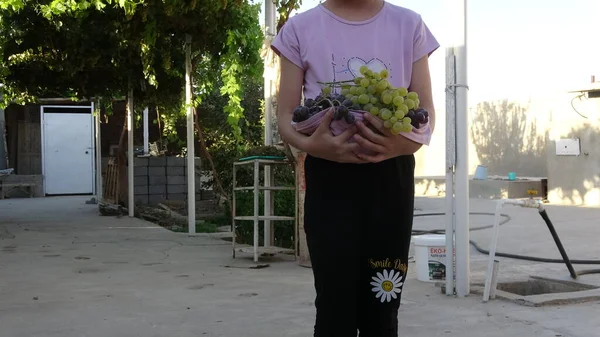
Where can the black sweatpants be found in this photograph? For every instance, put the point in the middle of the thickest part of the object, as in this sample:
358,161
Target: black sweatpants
358,221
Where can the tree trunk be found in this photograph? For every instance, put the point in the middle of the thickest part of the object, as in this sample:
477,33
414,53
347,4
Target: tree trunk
217,181
122,192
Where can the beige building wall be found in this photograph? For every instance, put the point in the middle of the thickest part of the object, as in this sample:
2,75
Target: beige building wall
519,135
506,135
575,180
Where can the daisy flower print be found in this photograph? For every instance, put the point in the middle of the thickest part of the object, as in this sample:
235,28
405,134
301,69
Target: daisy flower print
386,286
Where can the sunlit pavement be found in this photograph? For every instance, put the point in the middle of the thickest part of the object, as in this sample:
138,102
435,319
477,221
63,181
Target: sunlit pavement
66,271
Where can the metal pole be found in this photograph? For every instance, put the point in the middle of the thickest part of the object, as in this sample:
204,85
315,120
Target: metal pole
492,254
450,166
462,160
233,214
256,203
3,151
494,286
270,16
191,165
98,124
130,178
146,130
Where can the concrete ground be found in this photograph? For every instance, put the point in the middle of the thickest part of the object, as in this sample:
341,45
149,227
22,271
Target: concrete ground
65,271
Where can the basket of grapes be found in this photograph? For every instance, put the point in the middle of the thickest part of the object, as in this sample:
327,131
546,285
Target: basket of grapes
372,93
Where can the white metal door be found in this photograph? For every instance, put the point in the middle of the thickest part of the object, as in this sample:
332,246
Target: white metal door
68,153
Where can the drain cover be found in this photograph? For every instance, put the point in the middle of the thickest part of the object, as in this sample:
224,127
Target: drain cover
537,286
538,291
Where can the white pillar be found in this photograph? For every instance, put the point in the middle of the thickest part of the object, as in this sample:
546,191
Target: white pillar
462,151
145,121
269,33
191,165
450,166
130,150
270,30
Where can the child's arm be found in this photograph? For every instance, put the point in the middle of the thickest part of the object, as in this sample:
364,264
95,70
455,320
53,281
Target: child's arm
421,84
290,96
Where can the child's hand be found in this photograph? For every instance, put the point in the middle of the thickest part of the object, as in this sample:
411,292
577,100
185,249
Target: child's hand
386,144
323,144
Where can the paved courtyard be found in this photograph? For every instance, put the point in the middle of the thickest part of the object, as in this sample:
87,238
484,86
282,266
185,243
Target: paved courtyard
65,271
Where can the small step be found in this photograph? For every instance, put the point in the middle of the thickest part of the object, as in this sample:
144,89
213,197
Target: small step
262,217
266,251
263,188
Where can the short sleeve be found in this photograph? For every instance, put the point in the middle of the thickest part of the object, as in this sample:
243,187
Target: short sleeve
286,44
424,42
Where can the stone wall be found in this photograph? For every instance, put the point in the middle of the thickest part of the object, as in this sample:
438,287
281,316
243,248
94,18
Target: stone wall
164,178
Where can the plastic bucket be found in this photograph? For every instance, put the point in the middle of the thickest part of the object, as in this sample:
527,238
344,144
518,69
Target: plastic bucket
481,172
430,257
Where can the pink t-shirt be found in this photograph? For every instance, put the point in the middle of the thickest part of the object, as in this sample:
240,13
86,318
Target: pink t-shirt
329,48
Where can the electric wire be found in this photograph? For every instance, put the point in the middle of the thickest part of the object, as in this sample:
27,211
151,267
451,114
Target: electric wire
506,219
573,106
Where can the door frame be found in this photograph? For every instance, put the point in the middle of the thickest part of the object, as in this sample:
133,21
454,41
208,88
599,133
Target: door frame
92,138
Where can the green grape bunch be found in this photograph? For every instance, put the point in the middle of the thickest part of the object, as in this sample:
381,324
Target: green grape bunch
375,94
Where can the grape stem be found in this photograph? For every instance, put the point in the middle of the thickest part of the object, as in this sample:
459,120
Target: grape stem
326,100
331,102
337,82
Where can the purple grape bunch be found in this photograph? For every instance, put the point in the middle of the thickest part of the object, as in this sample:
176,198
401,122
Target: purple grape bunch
341,108
418,116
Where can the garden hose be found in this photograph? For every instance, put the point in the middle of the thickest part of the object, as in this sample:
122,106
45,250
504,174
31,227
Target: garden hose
506,219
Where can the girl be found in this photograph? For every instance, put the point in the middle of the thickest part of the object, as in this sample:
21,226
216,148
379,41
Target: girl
358,208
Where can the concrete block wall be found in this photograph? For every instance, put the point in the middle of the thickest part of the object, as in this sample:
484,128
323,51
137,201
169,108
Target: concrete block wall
157,179
21,178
